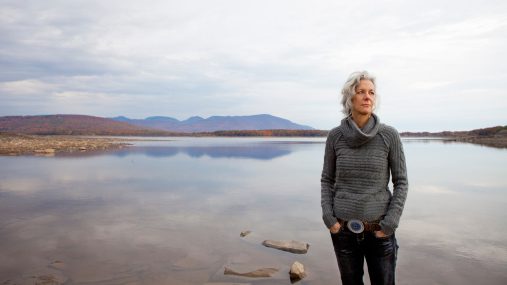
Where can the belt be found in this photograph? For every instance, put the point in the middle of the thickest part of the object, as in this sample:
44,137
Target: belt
357,226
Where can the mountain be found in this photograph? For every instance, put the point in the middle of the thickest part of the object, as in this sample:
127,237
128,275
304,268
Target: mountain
72,125
157,122
216,123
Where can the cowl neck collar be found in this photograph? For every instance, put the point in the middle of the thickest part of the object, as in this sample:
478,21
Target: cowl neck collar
355,136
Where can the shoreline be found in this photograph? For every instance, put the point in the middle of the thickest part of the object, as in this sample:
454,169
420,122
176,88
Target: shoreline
21,144
496,142
490,141
50,145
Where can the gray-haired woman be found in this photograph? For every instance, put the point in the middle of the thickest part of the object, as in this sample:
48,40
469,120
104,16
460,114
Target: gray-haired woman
357,206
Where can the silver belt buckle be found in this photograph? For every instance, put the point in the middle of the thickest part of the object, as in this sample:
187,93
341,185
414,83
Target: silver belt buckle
355,226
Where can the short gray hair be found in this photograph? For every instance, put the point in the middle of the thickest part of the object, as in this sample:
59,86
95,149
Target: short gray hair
349,89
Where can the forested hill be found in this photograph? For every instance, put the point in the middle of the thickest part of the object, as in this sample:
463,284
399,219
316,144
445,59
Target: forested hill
71,125
493,136
257,125
485,132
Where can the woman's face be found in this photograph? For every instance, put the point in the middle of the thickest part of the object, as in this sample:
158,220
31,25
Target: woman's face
364,99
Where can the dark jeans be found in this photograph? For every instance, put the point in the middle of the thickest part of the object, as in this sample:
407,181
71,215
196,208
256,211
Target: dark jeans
380,253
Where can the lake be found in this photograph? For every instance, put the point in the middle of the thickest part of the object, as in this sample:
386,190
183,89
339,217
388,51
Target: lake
170,211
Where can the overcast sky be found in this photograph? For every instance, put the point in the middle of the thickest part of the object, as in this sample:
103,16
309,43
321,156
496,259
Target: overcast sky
440,65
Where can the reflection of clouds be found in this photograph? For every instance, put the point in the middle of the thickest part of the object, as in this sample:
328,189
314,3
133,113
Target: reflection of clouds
110,214
423,263
25,185
478,184
419,140
139,214
432,189
484,250
458,236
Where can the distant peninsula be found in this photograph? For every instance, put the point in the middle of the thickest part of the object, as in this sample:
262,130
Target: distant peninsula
493,136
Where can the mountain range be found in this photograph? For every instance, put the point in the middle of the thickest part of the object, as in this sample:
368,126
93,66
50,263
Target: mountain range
90,125
215,123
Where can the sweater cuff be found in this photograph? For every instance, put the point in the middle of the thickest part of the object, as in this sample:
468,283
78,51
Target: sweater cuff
329,220
388,230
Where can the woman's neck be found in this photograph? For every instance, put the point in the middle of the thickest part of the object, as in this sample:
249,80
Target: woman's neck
360,119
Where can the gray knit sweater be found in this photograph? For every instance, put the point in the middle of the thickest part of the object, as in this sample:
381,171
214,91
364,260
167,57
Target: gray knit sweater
355,177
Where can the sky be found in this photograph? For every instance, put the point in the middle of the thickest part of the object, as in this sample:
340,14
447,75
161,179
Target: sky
440,65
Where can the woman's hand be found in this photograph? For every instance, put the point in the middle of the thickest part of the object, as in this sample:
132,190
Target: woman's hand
335,228
380,234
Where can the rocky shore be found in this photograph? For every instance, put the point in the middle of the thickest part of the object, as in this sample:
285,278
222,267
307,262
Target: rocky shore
20,144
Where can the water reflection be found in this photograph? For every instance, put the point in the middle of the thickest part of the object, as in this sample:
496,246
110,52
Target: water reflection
264,152
170,212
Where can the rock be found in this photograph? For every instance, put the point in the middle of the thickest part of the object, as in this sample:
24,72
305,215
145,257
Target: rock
57,264
244,233
49,279
297,272
262,272
288,245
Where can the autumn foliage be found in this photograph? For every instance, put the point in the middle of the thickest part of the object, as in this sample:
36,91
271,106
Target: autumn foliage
71,125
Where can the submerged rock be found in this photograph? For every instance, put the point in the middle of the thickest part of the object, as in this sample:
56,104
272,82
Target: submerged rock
297,272
244,233
57,264
288,245
262,272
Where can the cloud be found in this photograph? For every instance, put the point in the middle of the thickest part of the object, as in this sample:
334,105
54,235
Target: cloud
247,57
433,189
28,86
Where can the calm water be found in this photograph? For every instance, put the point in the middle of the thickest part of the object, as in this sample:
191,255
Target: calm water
170,212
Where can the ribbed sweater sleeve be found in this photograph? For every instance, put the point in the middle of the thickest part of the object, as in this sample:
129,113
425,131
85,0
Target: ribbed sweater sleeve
327,180
398,168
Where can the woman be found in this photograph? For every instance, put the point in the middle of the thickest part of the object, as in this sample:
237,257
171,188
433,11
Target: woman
357,206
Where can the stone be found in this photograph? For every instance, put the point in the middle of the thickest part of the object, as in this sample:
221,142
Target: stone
297,271
49,279
244,233
288,245
262,272
57,264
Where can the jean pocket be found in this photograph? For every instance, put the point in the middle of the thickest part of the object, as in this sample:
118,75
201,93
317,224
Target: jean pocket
339,232
382,238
